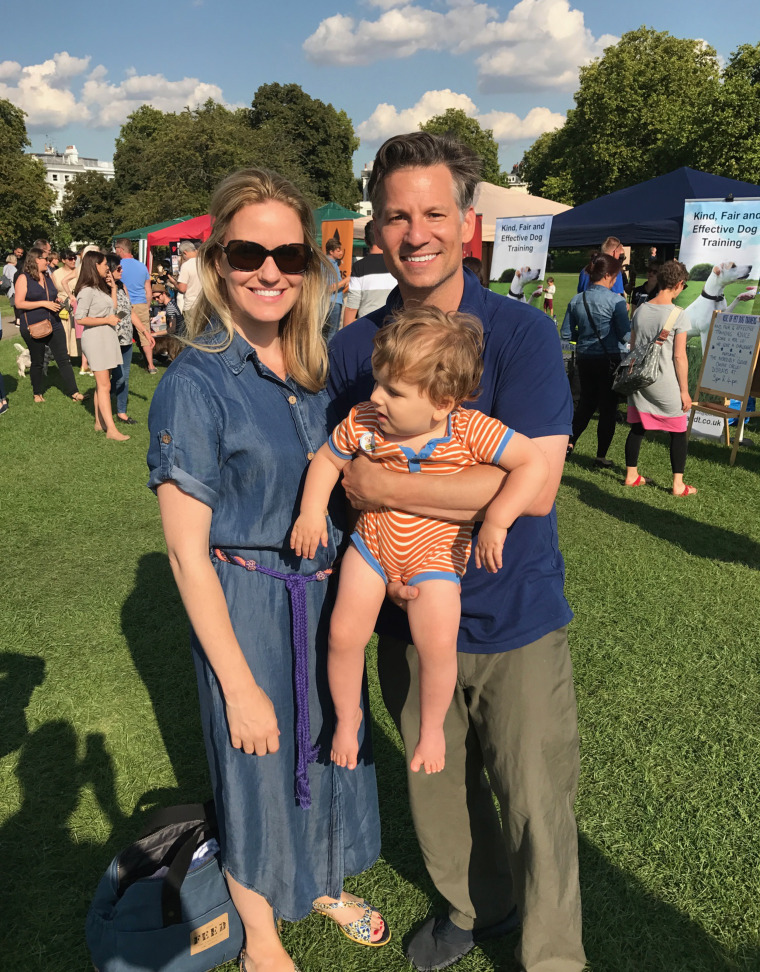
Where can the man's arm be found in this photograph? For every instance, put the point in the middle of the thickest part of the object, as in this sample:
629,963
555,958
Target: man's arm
462,496
349,314
148,292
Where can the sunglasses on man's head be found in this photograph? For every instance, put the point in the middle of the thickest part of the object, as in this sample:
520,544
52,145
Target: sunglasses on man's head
248,256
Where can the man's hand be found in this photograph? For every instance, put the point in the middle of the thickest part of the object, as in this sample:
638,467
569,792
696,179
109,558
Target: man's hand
363,482
401,594
490,545
309,530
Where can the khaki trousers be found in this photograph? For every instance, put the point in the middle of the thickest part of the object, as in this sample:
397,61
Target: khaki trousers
143,315
513,717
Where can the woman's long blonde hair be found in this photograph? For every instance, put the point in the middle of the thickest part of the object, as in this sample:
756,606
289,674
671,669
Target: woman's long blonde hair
303,347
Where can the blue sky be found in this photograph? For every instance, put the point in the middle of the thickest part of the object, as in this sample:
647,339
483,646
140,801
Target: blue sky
78,71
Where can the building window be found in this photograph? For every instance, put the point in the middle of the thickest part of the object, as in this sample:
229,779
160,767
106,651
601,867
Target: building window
55,177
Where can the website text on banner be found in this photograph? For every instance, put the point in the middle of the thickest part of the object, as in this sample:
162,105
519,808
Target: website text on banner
521,243
720,246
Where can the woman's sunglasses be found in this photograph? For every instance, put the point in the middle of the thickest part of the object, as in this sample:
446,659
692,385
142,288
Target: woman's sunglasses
248,256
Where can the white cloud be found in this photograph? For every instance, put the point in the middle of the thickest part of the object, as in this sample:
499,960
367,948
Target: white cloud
387,120
540,43
59,92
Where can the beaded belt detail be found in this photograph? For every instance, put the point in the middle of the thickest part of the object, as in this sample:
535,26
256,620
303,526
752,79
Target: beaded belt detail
296,586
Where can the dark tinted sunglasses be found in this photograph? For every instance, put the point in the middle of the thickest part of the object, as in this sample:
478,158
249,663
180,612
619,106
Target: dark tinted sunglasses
248,256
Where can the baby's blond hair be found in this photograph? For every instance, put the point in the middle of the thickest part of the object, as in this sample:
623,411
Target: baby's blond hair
439,352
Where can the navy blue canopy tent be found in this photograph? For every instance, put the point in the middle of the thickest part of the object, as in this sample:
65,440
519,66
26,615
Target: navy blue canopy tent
650,212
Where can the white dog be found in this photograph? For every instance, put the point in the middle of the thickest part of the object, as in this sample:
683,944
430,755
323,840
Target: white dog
522,277
700,311
23,359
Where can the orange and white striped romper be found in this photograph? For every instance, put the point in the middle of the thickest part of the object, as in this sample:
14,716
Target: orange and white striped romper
402,546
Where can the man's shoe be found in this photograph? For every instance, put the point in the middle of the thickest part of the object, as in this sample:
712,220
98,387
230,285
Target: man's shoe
440,943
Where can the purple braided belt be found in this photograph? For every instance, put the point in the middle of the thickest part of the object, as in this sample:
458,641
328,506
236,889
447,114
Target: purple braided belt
296,586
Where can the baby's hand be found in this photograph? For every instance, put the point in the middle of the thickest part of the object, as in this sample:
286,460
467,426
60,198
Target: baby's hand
490,544
429,753
345,742
308,531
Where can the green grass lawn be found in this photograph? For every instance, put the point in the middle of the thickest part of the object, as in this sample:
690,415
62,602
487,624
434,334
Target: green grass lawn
99,716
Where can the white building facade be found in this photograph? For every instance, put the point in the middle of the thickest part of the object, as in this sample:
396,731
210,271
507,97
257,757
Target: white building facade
60,169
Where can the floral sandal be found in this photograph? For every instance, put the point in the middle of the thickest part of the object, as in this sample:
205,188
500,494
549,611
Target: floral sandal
359,930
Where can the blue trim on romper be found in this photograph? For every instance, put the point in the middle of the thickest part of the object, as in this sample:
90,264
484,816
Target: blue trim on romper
502,445
427,575
364,550
415,459
336,451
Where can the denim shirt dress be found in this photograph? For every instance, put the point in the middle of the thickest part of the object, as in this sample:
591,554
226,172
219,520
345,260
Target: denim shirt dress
236,437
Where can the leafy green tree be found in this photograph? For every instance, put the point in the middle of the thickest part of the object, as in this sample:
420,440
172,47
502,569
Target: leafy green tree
455,122
639,113
89,208
323,138
25,198
168,164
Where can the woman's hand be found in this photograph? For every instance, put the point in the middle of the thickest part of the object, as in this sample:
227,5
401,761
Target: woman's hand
51,305
112,320
685,401
252,721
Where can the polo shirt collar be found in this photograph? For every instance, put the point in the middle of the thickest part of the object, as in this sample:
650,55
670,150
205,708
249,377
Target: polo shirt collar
473,297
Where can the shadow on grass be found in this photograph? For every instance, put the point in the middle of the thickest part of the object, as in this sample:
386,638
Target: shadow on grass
701,540
154,624
52,873
23,673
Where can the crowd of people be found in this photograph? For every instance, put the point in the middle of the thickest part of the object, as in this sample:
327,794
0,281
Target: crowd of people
460,575
91,306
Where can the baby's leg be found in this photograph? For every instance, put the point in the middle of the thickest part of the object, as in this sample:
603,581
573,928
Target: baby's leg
360,593
434,620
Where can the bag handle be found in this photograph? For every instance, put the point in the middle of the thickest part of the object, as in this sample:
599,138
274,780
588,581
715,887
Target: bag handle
187,813
171,887
669,323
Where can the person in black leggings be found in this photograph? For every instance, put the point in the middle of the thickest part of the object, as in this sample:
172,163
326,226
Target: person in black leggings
36,301
598,322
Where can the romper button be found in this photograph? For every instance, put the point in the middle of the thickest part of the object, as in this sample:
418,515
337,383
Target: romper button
166,439
309,456
292,399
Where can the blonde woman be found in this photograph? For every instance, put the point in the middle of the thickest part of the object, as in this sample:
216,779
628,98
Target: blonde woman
234,423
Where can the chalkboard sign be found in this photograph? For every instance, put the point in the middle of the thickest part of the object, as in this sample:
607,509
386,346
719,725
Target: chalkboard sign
730,354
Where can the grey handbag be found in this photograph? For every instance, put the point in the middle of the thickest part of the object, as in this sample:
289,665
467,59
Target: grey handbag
641,366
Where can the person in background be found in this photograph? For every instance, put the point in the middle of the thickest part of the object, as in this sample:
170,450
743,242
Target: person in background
665,404
370,283
9,272
597,321
96,313
136,279
611,247
65,278
6,288
335,253
128,322
549,291
476,265
188,282
649,289
175,321
35,295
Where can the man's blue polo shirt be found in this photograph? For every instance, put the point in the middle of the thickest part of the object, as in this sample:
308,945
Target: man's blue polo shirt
524,385
133,276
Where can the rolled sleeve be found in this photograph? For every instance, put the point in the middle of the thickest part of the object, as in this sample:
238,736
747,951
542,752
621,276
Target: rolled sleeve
185,439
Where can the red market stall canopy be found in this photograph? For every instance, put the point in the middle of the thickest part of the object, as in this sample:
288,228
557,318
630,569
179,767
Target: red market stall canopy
197,228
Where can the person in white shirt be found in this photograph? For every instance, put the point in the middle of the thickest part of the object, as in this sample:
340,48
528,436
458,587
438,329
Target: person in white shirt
188,282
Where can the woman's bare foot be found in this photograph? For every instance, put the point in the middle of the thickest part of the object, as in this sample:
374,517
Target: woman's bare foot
276,960
116,436
344,916
38,399
684,490
77,397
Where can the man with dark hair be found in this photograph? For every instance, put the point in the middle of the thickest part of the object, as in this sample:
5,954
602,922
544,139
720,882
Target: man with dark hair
513,715
370,281
135,277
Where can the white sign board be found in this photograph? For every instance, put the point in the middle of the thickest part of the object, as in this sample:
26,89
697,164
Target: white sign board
729,357
708,426
521,243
